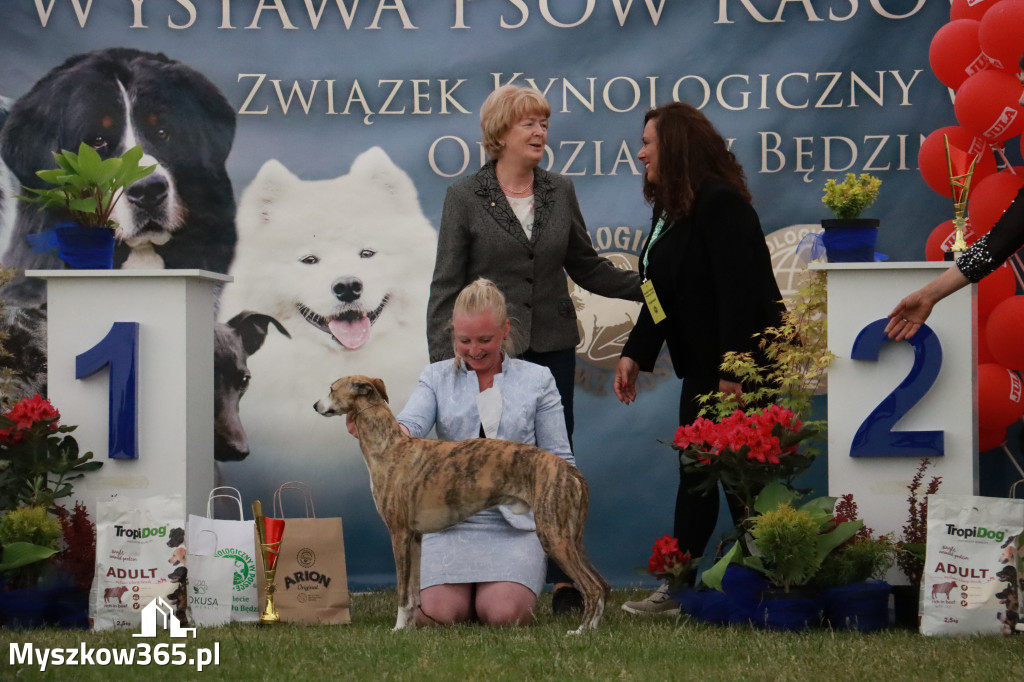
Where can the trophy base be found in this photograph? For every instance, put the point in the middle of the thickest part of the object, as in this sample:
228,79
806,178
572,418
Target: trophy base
269,618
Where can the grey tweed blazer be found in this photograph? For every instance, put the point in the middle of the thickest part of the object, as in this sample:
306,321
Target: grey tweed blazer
480,236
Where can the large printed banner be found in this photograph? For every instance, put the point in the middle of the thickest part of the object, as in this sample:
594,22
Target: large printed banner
304,147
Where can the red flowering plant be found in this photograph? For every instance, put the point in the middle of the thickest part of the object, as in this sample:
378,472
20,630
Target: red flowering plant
38,457
745,452
670,564
39,460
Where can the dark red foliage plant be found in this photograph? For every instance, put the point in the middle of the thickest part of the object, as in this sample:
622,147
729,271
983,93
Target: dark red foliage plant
79,555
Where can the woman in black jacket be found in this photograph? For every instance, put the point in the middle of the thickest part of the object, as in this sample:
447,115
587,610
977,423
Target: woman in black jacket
708,282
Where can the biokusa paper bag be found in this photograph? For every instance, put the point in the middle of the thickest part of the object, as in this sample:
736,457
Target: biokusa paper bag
232,540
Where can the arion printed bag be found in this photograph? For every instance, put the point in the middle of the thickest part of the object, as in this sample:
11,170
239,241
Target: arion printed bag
970,581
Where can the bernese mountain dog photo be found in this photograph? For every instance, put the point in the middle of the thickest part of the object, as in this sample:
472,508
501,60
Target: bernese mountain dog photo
180,216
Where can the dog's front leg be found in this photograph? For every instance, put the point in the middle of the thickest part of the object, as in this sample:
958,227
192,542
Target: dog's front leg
405,545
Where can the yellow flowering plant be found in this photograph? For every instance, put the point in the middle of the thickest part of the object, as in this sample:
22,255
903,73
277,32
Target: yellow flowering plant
849,198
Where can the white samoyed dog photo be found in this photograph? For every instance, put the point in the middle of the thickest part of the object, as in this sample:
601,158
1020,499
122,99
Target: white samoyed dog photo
345,265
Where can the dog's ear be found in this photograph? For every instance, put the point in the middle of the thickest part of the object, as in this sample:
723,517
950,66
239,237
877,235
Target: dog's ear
379,385
252,329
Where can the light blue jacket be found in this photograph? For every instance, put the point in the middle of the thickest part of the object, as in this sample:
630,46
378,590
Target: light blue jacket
531,410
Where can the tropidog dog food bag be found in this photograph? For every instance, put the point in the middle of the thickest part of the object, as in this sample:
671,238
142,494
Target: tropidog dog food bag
140,556
311,583
970,581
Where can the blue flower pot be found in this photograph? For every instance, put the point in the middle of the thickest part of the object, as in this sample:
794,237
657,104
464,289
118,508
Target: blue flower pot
80,247
743,587
850,240
862,606
795,610
31,607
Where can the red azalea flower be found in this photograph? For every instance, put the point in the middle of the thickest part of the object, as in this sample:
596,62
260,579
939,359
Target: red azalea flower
28,411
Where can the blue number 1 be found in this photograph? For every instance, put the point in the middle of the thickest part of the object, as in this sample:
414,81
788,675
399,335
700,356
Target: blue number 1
875,437
119,350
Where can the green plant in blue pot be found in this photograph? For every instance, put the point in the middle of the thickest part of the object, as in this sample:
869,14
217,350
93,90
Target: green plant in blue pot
85,187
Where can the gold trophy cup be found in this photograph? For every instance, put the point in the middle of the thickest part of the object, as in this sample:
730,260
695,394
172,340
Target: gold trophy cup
270,532
960,173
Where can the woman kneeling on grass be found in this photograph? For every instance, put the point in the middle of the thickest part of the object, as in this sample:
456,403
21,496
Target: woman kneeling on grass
490,567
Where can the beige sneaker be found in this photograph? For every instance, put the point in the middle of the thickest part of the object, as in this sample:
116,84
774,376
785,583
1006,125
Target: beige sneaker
658,601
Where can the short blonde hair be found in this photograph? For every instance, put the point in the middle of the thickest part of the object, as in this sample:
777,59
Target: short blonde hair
477,297
503,108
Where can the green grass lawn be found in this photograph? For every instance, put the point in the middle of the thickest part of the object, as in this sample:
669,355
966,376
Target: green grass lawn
625,647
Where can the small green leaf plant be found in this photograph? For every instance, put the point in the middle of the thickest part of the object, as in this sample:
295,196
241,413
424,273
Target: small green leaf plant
848,199
865,556
87,186
792,541
30,536
791,362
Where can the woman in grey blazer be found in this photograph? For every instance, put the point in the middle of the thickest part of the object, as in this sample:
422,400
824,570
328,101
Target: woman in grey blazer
521,227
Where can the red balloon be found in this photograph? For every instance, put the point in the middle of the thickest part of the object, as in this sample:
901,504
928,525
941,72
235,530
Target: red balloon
999,396
955,52
1005,332
991,196
984,354
994,289
931,158
990,439
969,9
987,103
1001,36
939,241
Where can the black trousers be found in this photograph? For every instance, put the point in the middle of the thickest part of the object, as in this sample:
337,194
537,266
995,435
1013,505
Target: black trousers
562,364
696,515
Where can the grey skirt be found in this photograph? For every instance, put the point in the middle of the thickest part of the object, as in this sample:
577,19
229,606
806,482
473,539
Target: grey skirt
483,549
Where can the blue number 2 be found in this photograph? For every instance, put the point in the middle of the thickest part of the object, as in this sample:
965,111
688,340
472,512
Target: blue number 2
119,350
875,437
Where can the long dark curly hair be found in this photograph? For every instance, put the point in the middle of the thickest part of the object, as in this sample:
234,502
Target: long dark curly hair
690,151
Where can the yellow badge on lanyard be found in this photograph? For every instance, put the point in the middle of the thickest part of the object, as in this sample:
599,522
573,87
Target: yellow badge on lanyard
647,287
651,299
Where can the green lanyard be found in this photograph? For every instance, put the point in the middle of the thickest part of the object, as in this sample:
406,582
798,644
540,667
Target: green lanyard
655,233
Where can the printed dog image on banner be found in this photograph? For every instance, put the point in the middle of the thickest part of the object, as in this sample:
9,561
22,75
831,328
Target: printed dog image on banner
180,216
344,265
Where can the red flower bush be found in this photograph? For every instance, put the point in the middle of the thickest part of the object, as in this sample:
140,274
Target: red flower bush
25,415
743,451
669,563
38,457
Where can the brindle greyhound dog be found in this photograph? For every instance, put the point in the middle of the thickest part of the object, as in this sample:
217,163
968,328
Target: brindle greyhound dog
423,486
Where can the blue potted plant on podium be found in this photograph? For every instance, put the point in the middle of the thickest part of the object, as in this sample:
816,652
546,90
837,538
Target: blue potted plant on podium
848,238
86,188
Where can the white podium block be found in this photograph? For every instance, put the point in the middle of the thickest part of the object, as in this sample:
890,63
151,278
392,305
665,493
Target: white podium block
859,390
174,311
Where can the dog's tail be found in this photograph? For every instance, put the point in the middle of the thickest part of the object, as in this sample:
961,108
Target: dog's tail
561,517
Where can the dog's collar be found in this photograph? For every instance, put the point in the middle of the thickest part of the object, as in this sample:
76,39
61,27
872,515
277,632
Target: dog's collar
364,410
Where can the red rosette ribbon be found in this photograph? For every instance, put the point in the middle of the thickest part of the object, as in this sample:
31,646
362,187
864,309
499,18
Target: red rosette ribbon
273,531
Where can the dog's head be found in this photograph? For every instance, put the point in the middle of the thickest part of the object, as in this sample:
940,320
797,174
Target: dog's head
178,575
113,99
347,275
233,343
348,393
175,537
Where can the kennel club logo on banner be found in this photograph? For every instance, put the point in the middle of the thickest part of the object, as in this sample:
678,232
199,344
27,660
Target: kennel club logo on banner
313,171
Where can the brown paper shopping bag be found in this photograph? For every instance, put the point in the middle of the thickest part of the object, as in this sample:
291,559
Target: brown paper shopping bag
311,584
